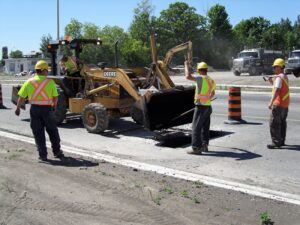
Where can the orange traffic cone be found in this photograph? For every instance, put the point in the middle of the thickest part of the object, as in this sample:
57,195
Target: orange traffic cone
234,106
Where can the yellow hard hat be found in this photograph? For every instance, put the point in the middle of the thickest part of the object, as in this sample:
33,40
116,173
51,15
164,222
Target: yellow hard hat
201,66
41,65
279,62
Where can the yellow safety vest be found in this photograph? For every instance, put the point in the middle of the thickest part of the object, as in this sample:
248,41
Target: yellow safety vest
39,95
71,65
204,87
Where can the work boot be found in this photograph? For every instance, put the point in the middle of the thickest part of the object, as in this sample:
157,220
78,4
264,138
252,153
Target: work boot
43,158
273,146
204,148
195,151
59,155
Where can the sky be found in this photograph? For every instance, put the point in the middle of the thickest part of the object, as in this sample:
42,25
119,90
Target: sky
24,22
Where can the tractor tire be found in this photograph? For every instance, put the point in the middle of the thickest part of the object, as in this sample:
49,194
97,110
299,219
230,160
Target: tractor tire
137,115
61,108
95,118
236,73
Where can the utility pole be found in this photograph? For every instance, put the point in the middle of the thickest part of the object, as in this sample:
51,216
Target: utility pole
58,50
57,14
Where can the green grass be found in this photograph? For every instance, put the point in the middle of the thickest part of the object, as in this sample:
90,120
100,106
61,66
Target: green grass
168,190
184,194
12,157
21,150
196,200
157,200
198,184
264,217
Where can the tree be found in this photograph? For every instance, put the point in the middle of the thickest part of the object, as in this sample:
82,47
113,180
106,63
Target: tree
177,24
45,40
280,36
297,32
74,29
16,54
143,23
250,32
220,35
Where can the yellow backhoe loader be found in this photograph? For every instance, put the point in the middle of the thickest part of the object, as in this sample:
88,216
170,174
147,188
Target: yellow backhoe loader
102,93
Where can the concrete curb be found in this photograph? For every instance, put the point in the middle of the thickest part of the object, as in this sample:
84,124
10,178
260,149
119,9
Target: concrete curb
246,87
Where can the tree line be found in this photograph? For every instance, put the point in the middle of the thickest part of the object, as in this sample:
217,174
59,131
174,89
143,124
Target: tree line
214,39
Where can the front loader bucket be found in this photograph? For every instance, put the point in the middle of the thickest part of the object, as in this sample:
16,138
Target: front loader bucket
167,108
15,96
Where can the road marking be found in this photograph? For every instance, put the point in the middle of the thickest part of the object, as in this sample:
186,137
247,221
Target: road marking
235,186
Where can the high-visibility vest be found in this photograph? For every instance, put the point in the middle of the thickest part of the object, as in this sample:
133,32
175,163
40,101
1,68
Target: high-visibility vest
71,65
283,99
204,88
39,95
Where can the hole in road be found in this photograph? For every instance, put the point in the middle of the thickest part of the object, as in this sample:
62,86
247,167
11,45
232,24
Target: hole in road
180,139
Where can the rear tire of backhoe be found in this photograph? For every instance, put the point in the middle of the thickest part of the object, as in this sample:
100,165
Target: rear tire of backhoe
236,73
137,115
95,118
61,108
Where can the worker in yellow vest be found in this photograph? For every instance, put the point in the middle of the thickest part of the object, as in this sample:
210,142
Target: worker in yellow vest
279,104
204,92
69,66
42,95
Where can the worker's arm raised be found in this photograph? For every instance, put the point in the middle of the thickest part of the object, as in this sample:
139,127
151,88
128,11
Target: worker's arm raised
187,71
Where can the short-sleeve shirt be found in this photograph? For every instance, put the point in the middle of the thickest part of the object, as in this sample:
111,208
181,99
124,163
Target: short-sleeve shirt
27,88
278,83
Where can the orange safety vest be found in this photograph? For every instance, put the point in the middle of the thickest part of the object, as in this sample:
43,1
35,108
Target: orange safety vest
283,99
39,95
203,91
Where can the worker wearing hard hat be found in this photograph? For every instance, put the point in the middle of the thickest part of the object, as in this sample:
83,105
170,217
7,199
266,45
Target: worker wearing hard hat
42,95
204,92
69,66
279,104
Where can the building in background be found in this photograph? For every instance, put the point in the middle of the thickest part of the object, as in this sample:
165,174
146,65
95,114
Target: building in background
24,64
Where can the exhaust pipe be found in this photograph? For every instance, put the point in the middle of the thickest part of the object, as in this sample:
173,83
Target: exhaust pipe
116,54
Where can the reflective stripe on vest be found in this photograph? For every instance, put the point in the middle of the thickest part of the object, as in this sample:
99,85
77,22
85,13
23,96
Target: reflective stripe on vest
39,91
201,97
288,93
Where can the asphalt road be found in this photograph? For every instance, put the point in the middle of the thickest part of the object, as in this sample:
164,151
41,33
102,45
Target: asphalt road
238,155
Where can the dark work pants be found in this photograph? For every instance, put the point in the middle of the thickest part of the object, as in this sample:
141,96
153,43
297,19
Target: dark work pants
201,124
278,124
41,118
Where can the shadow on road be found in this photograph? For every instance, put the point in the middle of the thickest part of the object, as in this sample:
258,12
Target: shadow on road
252,123
291,147
240,154
71,162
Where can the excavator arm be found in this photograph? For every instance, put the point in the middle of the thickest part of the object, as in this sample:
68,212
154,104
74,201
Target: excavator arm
159,68
184,46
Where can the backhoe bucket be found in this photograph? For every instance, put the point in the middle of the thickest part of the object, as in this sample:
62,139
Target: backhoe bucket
15,96
167,108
